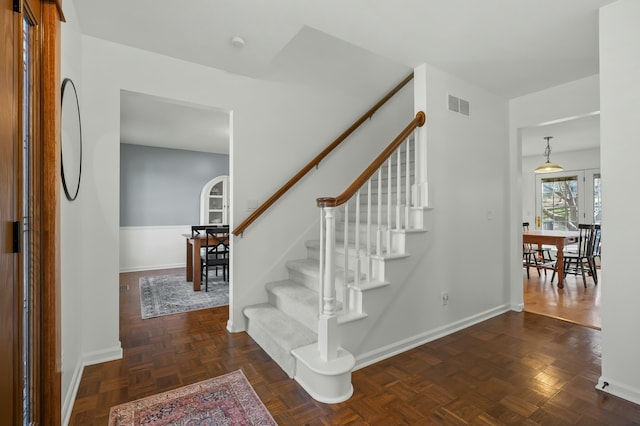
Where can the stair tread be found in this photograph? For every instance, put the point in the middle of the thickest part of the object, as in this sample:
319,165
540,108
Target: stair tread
287,332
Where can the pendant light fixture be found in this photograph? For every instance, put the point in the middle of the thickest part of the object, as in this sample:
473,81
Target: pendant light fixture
548,167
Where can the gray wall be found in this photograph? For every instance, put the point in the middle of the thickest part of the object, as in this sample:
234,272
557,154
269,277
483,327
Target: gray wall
161,186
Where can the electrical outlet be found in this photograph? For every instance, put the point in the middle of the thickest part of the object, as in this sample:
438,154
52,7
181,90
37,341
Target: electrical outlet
444,297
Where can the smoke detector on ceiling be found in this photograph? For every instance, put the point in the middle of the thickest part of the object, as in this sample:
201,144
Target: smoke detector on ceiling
238,42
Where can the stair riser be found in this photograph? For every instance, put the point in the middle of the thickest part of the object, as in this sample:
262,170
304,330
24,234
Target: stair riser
289,307
305,314
340,262
314,253
285,360
312,281
307,280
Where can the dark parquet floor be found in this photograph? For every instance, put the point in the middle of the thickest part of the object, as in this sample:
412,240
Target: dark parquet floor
514,369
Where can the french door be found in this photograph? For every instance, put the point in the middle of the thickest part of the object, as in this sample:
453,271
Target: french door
565,199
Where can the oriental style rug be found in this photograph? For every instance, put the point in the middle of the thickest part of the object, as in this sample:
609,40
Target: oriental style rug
224,400
172,294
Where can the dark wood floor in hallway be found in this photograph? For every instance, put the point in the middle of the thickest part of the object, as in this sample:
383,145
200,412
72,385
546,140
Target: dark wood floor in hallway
516,368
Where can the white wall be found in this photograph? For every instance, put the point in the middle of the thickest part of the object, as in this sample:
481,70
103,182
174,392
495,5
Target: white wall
72,287
469,199
574,99
464,248
620,106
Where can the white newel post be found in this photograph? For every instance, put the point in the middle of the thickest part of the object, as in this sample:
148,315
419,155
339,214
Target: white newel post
328,321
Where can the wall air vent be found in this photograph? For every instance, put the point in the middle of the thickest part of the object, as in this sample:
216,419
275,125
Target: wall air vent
459,105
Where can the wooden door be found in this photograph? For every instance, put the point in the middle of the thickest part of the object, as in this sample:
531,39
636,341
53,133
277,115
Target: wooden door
9,296
9,279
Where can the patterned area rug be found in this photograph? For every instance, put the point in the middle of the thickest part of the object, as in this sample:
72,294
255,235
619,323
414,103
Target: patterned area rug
171,294
224,400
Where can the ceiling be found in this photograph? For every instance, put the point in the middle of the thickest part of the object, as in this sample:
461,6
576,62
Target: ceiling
568,135
154,121
511,48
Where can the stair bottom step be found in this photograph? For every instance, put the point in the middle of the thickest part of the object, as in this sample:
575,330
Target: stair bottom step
278,334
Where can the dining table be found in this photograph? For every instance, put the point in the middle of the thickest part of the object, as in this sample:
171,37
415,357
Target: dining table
194,261
559,239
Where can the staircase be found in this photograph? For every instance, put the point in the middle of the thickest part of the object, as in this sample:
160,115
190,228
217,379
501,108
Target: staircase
305,332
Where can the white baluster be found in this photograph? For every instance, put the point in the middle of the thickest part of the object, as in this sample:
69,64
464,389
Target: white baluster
420,175
379,233
407,187
321,260
368,254
389,217
327,323
398,191
345,273
357,266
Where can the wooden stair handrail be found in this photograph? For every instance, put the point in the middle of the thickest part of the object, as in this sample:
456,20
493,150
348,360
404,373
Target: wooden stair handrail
418,121
314,163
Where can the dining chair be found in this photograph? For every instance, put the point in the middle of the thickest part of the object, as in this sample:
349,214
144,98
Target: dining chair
197,230
597,251
597,247
530,254
215,253
544,251
580,258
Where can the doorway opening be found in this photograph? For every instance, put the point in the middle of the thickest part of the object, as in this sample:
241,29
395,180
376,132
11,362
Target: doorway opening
169,151
560,201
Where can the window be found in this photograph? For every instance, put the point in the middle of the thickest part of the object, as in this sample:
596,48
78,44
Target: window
560,203
565,199
597,199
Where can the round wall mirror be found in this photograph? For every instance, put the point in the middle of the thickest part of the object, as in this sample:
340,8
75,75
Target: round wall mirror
71,140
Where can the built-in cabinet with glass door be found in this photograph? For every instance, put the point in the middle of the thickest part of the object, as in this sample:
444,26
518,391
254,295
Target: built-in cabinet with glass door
214,202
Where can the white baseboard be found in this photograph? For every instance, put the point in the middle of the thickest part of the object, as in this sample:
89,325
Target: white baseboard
369,358
90,358
151,267
105,355
617,389
70,397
